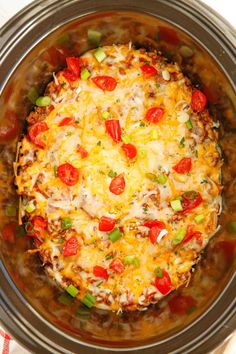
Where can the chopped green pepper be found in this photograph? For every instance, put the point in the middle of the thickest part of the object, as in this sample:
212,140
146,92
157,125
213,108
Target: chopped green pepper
84,74
158,272
94,37
161,178
176,205
132,260
199,218
100,55
105,114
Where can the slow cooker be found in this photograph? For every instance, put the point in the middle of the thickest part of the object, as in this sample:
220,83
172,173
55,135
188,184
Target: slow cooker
35,44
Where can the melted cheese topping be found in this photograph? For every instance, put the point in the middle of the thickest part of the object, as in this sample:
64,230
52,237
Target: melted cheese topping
159,147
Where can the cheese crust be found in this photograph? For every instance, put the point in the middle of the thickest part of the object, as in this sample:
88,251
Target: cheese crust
152,181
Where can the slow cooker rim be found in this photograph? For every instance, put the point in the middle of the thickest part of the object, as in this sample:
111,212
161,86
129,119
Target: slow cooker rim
22,13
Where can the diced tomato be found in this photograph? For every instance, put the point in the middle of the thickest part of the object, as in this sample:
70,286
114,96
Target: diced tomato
154,115
100,272
71,247
154,233
181,304
191,200
183,166
9,126
106,83
117,265
129,150
148,71
67,121
73,69
39,223
168,35
106,224
117,185
198,101
8,232
191,233
152,223
228,248
113,129
163,284
68,174
34,132
83,153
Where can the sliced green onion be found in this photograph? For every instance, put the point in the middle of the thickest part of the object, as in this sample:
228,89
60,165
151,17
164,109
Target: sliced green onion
89,300
105,114
125,139
85,74
199,218
179,236
83,312
142,124
72,290
179,197
66,223
232,227
94,37
43,101
142,153
63,39
189,124
154,134
76,163
99,143
176,205
112,174
132,260
10,210
55,169
65,299
151,176
33,95
182,142
109,256
161,178
158,272
30,207
29,228
115,235
100,55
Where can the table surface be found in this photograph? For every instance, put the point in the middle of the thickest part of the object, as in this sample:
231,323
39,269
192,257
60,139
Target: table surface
226,9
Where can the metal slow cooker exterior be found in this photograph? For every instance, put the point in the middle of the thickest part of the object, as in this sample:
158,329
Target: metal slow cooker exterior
18,37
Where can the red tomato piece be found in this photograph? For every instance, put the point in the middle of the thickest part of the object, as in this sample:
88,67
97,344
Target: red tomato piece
106,83
148,71
152,223
39,223
117,265
34,132
73,64
181,304
100,272
191,200
113,129
198,101
106,224
168,35
183,166
154,233
69,75
9,126
129,150
68,174
71,247
67,121
117,185
154,115
83,153
163,284
192,234
8,232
